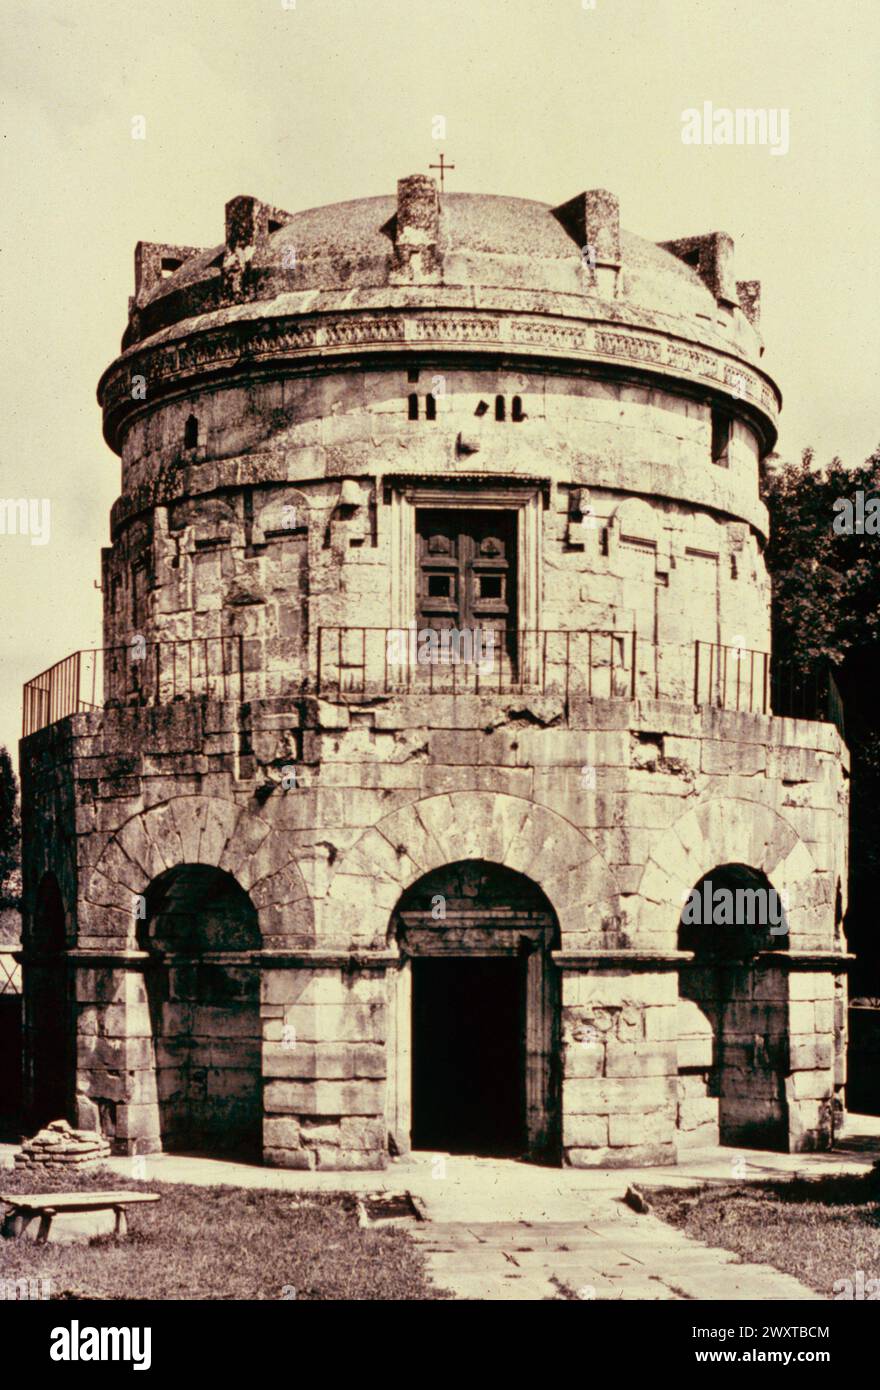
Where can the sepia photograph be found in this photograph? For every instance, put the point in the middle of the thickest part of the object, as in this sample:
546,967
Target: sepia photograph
440,715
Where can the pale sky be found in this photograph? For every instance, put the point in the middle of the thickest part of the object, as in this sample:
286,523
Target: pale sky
334,99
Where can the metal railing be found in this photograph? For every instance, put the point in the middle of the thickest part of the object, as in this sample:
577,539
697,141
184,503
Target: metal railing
742,679
139,673
10,973
72,686
381,660
364,661
813,694
735,678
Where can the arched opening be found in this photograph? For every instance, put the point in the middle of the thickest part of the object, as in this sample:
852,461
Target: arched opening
516,412
191,432
500,408
430,408
733,1016
413,406
49,1023
473,1058
203,987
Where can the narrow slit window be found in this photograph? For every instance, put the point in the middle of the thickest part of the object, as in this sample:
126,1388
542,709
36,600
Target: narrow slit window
191,433
516,412
721,431
430,408
413,407
500,411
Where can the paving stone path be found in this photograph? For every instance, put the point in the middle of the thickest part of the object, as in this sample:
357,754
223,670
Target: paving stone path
617,1255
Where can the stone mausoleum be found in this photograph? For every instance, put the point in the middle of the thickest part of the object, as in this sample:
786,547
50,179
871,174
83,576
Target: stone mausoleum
435,676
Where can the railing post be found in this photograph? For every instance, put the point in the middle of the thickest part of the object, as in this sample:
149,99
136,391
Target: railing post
738,676
567,673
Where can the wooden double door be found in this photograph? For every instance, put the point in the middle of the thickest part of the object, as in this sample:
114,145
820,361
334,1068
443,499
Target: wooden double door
467,570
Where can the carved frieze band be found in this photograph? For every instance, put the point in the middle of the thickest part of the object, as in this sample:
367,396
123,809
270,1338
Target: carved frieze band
241,344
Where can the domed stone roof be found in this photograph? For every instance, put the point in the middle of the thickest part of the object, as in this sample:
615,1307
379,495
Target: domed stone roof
484,242
425,272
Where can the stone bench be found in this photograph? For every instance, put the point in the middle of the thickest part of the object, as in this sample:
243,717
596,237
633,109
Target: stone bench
28,1206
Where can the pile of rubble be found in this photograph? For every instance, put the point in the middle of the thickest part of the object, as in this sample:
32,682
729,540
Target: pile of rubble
60,1146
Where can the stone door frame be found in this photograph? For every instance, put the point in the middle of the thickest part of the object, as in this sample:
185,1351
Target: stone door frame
465,939
525,501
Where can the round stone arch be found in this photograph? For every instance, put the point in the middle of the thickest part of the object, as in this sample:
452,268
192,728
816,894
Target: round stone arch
729,830
468,825
206,830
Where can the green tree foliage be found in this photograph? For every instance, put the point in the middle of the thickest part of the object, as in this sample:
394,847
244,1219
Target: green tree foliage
826,606
10,834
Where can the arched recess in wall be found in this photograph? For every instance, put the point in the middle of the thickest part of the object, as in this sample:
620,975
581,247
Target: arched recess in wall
493,827
202,937
731,830
733,1010
733,843
49,1022
636,523
243,841
473,1038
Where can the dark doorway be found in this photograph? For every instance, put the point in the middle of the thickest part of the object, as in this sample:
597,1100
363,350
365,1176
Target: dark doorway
48,1018
468,1085
10,1064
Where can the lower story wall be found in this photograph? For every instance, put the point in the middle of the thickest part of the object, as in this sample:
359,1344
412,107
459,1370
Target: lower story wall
644,1071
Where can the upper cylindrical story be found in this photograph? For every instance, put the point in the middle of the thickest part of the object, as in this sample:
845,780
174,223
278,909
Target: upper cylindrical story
283,400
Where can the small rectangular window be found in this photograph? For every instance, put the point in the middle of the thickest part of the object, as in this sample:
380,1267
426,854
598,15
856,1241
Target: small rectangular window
490,586
439,585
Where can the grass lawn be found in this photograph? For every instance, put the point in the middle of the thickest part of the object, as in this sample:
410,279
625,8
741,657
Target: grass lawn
221,1242
820,1230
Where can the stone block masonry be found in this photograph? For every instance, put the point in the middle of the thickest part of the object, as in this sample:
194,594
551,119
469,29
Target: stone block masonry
289,898
60,1148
